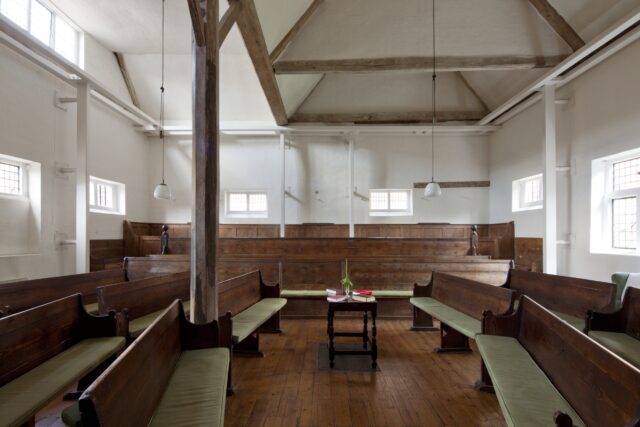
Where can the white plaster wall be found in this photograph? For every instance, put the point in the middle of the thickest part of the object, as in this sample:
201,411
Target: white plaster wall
33,129
317,175
601,119
102,64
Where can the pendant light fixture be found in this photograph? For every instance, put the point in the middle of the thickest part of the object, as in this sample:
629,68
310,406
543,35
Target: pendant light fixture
162,190
433,188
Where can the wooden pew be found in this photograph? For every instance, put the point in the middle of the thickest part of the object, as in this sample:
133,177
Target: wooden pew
47,349
19,296
546,372
619,331
174,374
141,267
255,307
567,297
459,305
143,300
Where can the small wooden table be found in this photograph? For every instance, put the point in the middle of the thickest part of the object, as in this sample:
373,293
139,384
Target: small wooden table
350,305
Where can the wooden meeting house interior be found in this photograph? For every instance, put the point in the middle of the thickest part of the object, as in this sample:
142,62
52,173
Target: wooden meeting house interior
183,182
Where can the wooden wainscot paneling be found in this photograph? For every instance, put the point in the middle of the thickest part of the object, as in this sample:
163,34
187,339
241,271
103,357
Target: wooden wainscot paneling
528,253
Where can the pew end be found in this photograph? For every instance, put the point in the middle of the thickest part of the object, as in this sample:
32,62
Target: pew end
421,320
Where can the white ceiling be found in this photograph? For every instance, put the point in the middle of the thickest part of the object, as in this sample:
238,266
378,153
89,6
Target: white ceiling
342,29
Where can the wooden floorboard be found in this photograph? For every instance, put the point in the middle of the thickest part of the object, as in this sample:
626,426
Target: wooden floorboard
414,387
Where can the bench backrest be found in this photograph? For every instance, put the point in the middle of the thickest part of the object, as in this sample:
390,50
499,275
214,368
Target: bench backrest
567,295
602,388
129,391
470,297
144,296
31,337
18,296
631,312
141,267
239,293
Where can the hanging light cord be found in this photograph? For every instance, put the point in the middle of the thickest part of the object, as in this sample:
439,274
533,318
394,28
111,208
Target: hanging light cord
162,95
433,93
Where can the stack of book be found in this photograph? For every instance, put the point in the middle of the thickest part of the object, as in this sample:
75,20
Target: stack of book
335,296
363,296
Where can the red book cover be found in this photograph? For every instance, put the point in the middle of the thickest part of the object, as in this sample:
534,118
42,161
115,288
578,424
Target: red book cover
364,292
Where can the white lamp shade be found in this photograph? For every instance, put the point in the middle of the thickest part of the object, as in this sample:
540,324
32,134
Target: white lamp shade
162,191
432,190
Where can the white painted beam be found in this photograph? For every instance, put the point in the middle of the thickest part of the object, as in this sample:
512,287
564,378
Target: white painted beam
550,250
82,179
351,166
283,190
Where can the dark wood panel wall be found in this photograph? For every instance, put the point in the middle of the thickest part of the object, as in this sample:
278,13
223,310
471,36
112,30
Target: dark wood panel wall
528,253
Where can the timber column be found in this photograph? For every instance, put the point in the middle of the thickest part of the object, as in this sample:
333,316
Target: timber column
205,161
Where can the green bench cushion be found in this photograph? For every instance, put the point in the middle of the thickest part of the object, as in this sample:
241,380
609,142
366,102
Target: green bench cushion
621,344
295,293
91,308
526,396
459,321
23,397
137,326
249,320
195,395
197,390
576,322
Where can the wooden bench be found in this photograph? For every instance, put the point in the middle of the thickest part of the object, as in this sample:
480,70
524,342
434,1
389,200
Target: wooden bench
458,304
619,331
47,349
569,298
175,373
255,307
22,295
144,300
140,267
544,371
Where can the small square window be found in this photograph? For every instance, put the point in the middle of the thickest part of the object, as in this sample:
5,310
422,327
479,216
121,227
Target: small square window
106,196
390,203
527,193
246,205
625,223
626,174
11,178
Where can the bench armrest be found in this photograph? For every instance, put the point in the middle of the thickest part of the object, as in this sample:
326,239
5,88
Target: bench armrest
269,291
109,325
422,290
611,322
214,334
507,325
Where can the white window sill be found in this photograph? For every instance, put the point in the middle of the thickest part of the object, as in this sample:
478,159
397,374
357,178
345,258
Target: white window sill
617,252
530,208
390,213
100,211
238,215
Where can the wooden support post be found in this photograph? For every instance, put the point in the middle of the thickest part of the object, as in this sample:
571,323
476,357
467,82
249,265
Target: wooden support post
550,263
352,232
205,158
82,179
283,195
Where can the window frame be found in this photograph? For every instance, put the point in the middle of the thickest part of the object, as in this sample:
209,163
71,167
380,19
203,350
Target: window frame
518,190
603,196
24,178
118,196
55,13
228,213
388,211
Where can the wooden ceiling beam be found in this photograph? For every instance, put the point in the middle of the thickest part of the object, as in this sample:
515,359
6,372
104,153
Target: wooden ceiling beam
127,79
197,21
456,184
251,31
558,23
227,21
386,118
293,32
443,63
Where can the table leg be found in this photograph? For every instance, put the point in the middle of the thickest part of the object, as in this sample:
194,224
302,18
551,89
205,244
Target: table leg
365,333
374,345
332,350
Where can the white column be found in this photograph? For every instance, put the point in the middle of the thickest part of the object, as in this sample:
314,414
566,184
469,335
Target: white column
283,196
352,232
550,250
82,179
